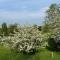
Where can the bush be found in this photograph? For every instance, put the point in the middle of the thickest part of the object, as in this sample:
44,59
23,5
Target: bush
27,40
54,41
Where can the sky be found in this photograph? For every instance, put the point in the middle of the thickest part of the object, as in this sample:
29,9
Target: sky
24,11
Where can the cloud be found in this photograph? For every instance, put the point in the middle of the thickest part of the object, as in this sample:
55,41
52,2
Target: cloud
23,14
27,11
31,11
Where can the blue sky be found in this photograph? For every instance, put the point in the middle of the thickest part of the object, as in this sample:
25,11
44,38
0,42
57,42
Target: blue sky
24,11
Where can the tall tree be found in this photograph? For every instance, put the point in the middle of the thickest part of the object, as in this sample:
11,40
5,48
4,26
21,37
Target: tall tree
4,28
53,16
53,19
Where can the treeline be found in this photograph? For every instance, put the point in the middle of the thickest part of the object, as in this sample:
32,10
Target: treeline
6,30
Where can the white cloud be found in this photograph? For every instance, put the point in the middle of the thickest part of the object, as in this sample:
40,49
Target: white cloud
23,14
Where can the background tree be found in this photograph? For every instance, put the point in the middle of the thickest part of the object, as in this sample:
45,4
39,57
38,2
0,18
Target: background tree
13,28
4,29
46,28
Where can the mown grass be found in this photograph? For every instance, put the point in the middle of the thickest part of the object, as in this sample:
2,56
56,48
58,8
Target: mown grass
43,54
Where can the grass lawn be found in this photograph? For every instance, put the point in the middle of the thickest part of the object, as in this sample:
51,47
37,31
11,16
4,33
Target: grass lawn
43,54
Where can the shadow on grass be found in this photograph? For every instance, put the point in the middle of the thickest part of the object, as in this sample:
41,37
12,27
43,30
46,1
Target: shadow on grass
22,56
51,49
